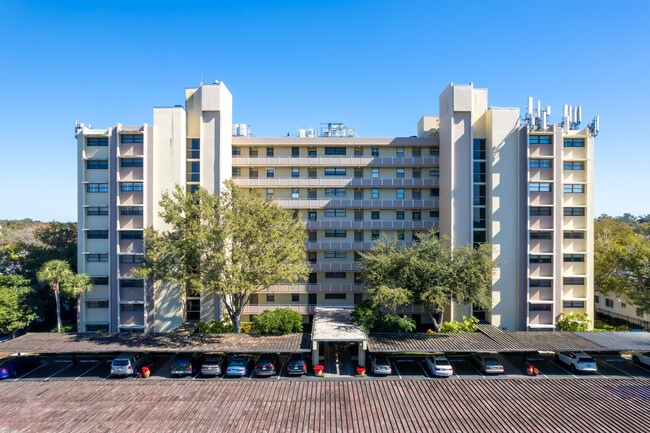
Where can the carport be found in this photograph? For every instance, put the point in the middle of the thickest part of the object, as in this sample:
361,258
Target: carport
333,325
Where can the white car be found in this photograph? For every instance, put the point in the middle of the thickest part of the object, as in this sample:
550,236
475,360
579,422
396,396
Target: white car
439,366
577,361
487,363
641,358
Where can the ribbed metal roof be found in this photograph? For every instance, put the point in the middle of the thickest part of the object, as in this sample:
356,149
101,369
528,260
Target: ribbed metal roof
617,341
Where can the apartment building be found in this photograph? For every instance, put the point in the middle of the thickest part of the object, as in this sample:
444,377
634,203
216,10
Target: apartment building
477,173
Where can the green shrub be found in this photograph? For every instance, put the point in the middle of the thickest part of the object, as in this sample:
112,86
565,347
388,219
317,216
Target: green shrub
214,327
365,315
467,325
280,321
573,322
395,323
373,320
65,328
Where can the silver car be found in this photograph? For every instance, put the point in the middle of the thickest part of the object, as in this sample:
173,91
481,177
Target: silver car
212,365
439,366
381,366
487,363
128,364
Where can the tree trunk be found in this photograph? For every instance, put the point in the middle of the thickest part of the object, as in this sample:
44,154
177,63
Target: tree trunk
236,321
13,333
79,313
436,323
58,307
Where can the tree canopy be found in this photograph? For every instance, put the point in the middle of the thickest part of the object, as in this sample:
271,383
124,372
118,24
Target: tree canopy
429,273
55,273
16,310
231,244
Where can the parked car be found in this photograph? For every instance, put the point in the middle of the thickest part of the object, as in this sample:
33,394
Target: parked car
266,364
238,366
487,363
641,358
381,365
577,361
297,364
439,366
12,366
128,364
212,364
181,365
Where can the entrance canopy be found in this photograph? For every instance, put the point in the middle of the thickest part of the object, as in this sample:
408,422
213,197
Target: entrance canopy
333,324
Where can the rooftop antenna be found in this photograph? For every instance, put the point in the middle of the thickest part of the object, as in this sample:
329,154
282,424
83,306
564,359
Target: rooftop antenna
529,112
201,80
594,126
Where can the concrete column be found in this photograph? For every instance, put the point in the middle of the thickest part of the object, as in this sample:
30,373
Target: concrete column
314,353
362,353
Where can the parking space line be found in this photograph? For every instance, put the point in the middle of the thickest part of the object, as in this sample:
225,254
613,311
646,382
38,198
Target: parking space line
30,371
197,373
67,366
109,375
613,366
396,369
424,369
477,369
562,367
252,372
84,373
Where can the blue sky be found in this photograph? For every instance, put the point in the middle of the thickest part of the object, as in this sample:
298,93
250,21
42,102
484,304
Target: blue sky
377,66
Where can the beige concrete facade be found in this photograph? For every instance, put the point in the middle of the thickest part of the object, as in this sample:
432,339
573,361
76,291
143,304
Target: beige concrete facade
474,172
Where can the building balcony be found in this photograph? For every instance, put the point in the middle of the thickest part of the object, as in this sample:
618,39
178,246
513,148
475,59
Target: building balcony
574,292
334,161
131,222
131,174
317,288
96,176
540,222
541,246
131,198
126,270
96,199
130,150
96,152
371,225
575,223
334,267
323,182
537,318
342,246
130,246
540,294
541,270
574,153
132,294
574,199
131,318
357,204
541,174
574,176
260,308
541,150
540,198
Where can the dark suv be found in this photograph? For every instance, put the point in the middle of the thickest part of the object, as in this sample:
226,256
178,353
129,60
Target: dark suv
181,365
266,364
297,364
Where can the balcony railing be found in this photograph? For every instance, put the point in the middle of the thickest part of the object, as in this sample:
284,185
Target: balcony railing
371,225
334,161
258,309
317,288
322,181
334,267
357,204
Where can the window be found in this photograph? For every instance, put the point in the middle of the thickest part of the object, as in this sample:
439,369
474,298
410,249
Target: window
311,194
295,152
574,258
572,165
131,210
131,138
97,187
252,174
358,174
400,215
434,213
341,296
132,283
479,221
374,173
236,171
97,141
400,235
417,152
334,233
335,254
334,212
97,327
270,172
96,211
132,307
433,151
335,172
131,162
417,215
574,211
358,236
295,193
375,193
313,279
311,236
540,283
479,195
573,188
374,215
358,194
375,235
540,211
574,235
609,303
358,215
312,215
573,281
270,297
479,172
417,174
97,164
295,172
100,281
338,192
269,192
479,148
541,163
358,152
574,142
540,259
374,151
311,153
539,307
335,151
400,193
539,139
434,192
96,304
252,153
311,257
236,151
434,172
573,304
193,148
270,152
539,187
541,235
417,194
131,186
400,172
295,297
97,234
97,257
623,305
193,171
399,152
130,259
596,299
334,274
131,234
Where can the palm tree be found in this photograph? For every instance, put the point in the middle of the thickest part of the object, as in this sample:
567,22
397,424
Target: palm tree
54,273
76,285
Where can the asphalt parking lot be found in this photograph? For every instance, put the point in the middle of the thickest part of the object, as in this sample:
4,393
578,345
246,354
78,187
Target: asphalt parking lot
97,367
